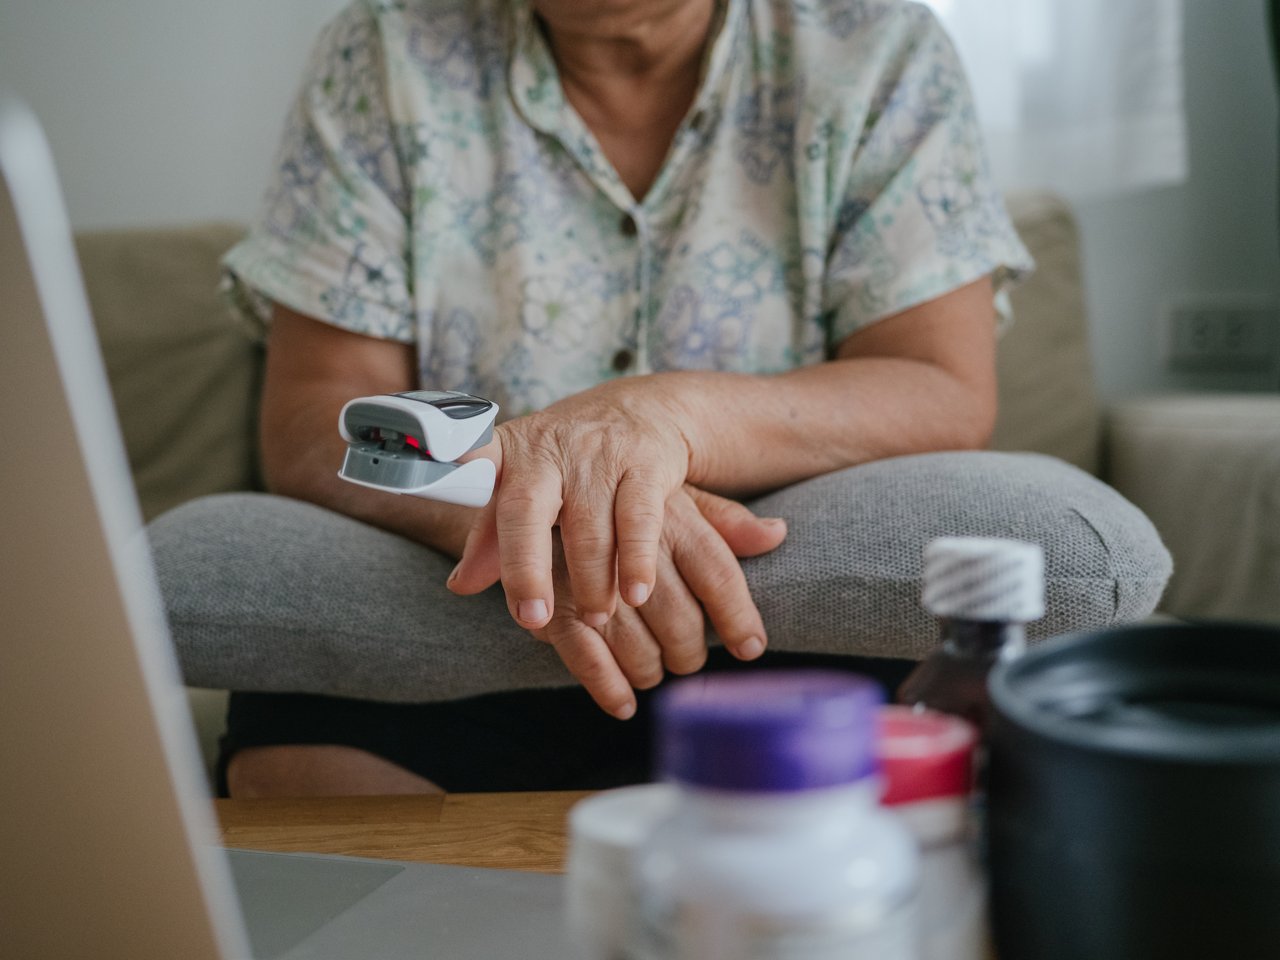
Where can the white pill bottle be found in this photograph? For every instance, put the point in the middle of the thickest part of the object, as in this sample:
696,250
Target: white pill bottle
777,848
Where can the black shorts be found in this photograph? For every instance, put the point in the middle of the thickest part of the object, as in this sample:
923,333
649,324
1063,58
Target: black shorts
520,740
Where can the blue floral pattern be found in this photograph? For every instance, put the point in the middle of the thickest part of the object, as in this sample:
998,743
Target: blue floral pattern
434,187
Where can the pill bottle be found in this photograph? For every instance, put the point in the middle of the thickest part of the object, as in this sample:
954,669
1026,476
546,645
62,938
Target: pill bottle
778,846
927,763
605,831
983,590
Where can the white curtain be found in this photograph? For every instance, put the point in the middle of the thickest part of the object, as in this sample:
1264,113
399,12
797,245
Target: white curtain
1080,96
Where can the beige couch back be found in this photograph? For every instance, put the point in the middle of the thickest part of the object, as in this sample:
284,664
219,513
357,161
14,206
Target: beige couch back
186,376
1048,401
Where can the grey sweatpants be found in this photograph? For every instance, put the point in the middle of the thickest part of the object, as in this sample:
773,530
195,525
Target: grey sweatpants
270,594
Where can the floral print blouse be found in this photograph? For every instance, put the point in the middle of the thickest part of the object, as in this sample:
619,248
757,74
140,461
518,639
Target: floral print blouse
435,187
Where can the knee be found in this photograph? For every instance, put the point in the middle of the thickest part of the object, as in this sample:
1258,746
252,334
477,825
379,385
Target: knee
237,557
240,523
267,593
856,537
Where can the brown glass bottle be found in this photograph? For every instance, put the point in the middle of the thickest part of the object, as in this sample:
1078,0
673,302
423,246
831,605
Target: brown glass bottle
982,590
954,679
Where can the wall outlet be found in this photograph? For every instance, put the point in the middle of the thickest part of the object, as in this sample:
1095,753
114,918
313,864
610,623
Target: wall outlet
1224,335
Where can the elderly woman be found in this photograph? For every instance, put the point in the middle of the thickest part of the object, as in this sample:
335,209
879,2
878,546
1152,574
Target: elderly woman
697,250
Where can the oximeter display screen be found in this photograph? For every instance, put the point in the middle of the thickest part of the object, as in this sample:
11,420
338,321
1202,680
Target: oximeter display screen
455,406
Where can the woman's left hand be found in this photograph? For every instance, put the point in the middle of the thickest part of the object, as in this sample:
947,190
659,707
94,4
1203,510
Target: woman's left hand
699,580
601,465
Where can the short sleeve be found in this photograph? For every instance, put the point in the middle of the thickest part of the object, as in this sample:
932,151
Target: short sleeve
919,216
331,241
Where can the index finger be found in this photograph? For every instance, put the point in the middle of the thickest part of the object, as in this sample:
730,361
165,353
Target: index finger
715,577
588,657
528,505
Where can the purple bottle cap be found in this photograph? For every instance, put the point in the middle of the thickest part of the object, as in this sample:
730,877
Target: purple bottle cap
769,732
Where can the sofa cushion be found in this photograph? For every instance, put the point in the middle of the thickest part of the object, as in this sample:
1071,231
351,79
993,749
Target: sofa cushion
184,375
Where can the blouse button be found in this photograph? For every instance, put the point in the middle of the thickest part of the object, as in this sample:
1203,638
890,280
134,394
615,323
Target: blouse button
628,225
622,360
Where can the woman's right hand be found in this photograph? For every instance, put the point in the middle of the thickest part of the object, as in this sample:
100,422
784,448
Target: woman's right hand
699,579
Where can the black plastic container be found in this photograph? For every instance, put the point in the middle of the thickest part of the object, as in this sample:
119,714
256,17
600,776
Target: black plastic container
1134,796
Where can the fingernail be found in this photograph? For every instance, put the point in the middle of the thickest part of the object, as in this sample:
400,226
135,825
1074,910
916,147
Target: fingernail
637,594
532,611
625,712
454,575
751,648
773,521
595,620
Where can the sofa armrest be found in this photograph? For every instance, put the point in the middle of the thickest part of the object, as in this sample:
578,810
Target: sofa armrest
1206,469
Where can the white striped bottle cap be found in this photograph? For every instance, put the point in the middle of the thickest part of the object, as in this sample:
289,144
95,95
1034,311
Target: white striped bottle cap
984,578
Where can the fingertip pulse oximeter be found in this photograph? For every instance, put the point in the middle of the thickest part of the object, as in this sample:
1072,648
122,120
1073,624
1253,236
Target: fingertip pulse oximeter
408,443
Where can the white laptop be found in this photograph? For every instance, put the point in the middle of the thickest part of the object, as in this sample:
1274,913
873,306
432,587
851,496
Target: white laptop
107,842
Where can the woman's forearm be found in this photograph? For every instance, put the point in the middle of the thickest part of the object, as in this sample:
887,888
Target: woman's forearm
312,370
919,381
748,434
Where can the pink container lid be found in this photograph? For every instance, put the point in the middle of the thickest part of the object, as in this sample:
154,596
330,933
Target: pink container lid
924,755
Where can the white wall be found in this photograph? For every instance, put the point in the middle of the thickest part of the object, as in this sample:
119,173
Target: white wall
1215,234
159,111
163,111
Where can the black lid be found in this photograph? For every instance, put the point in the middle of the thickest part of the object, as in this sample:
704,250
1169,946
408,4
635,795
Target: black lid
1200,692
